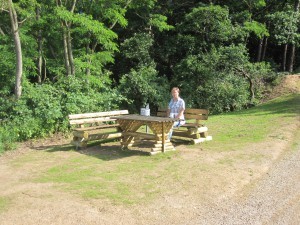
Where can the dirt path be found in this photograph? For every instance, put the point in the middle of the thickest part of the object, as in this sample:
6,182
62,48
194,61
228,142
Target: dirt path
275,199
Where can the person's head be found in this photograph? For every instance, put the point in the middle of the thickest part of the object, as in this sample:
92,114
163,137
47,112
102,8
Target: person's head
175,92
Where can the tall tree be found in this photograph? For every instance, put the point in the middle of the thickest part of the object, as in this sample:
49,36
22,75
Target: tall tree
67,40
293,45
8,6
285,31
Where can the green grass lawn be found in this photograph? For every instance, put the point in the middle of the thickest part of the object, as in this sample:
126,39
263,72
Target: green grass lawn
128,177
232,131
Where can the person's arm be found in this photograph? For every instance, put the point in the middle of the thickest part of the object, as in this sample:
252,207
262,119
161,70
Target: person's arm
180,114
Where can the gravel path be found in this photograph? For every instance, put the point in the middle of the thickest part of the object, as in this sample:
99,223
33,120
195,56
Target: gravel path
275,199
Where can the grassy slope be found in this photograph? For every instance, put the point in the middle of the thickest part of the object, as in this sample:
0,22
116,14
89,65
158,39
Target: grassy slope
127,177
234,130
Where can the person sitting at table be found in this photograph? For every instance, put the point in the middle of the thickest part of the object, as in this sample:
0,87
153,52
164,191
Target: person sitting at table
176,109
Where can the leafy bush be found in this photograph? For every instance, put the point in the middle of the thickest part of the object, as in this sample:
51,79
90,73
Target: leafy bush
43,109
143,86
7,138
222,80
222,95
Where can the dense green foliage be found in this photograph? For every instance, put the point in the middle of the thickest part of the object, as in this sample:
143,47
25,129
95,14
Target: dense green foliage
86,56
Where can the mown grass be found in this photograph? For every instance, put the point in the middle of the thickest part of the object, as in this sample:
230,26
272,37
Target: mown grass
232,131
4,203
129,177
123,180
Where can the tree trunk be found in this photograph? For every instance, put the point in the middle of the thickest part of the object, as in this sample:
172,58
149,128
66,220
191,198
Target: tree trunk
284,57
70,50
251,85
40,46
292,58
18,49
88,53
259,52
264,48
1,32
67,41
293,47
297,5
45,69
67,62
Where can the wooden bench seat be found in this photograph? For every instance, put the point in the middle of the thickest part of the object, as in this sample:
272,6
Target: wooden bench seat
194,129
97,127
94,126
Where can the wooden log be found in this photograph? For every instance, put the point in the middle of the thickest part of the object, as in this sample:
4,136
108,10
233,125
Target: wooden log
104,126
194,116
196,111
154,153
91,120
104,136
190,125
204,134
98,114
166,141
197,130
81,134
199,140
181,133
209,138
140,135
160,148
160,145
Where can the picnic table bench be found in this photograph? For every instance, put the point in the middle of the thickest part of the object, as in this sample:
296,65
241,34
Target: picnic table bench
95,126
194,129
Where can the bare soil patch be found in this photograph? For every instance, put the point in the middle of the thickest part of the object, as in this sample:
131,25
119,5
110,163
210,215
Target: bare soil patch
289,84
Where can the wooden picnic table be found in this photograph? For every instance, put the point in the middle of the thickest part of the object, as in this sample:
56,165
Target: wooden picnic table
160,127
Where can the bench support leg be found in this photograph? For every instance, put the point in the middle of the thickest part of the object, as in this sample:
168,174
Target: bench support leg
79,142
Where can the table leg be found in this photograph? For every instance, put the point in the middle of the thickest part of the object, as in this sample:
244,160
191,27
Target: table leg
161,144
128,126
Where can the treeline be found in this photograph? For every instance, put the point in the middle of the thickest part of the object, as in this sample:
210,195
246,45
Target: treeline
69,56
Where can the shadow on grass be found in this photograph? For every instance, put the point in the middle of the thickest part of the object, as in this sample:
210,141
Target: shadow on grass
103,149
107,149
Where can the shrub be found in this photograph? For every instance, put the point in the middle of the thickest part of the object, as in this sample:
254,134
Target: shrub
43,108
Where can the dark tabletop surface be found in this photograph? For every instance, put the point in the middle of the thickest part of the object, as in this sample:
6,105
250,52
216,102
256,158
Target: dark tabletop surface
145,118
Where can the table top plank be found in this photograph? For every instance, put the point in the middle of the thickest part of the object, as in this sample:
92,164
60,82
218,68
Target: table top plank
145,118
